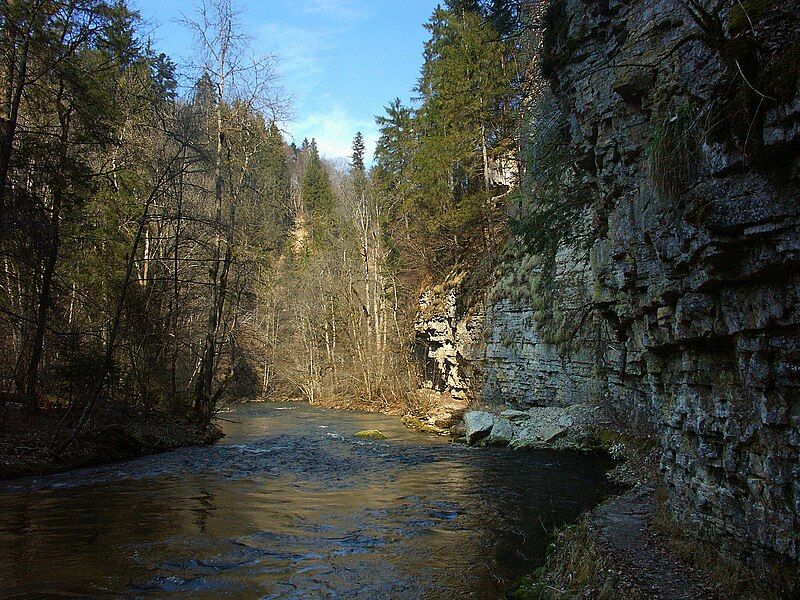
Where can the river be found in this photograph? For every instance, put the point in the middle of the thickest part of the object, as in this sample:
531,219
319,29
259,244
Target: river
292,505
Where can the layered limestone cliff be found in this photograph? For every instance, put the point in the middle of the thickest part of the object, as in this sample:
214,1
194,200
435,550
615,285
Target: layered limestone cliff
686,127
695,172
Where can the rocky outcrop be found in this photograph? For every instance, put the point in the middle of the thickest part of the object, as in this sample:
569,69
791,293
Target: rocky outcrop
573,427
495,353
521,367
686,126
449,342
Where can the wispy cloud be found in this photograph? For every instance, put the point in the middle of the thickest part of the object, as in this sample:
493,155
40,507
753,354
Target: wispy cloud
305,39
340,8
334,130
303,50
300,53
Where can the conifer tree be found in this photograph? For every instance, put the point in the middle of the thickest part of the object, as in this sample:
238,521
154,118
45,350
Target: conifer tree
358,154
317,191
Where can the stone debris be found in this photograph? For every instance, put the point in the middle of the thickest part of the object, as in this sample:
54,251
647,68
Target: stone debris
570,427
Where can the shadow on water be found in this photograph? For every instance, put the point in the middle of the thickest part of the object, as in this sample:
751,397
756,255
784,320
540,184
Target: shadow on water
292,505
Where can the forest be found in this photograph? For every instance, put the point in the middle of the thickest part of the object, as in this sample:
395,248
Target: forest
165,250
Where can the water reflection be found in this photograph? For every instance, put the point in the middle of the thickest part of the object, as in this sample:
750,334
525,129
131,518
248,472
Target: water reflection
292,505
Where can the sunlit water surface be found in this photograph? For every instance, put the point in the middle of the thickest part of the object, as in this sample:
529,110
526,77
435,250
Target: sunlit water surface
292,505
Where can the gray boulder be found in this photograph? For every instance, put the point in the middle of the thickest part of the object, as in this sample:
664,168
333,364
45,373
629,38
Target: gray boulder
478,426
515,415
502,433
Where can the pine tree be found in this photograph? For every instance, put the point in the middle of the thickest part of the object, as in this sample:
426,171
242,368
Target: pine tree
462,118
395,149
317,191
358,154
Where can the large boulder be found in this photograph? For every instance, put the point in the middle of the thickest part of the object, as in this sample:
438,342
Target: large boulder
478,426
502,433
556,427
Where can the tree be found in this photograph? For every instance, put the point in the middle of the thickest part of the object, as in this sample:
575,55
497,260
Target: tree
357,160
317,193
240,84
65,62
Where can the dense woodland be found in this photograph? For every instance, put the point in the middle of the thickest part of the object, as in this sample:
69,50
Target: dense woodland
164,249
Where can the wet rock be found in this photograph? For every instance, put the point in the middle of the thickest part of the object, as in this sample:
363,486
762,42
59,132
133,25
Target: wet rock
478,425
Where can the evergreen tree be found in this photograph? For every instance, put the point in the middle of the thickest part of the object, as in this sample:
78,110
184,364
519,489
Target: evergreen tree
358,154
395,150
317,192
163,72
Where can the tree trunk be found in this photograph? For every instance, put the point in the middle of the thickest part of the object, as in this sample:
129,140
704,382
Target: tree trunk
7,146
32,372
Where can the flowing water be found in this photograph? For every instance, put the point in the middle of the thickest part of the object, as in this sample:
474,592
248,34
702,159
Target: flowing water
292,505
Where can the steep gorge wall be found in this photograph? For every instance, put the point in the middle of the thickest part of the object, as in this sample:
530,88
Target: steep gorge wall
496,351
697,256
688,132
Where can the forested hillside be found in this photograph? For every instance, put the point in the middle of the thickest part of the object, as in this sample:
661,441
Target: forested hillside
139,215
164,249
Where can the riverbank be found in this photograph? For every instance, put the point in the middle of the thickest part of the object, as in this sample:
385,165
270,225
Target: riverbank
28,440
631,547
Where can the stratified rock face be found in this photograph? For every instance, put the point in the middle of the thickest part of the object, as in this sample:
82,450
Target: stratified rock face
520,367
498,356
690,141
697,261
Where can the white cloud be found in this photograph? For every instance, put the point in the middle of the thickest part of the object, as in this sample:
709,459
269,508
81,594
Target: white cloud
334,130
339,8
303,53
300,53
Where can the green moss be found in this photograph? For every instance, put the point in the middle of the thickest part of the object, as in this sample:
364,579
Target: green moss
531,587
419,425
576,567
372,434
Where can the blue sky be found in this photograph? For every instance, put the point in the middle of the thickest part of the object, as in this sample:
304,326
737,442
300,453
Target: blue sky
341,61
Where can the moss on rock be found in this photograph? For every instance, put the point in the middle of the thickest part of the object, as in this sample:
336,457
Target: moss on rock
372,434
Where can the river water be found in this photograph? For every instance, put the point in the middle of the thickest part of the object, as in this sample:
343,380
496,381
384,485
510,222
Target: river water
292,505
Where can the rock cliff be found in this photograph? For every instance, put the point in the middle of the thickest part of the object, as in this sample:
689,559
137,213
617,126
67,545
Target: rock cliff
684,121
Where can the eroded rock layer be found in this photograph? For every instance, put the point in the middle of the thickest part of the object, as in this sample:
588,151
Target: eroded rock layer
698,244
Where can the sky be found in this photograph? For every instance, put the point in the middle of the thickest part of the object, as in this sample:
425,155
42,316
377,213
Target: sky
341,61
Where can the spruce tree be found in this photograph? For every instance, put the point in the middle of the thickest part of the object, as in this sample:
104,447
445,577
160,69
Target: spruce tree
317,190
358,154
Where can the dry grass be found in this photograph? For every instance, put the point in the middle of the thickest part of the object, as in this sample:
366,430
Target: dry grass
576,568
